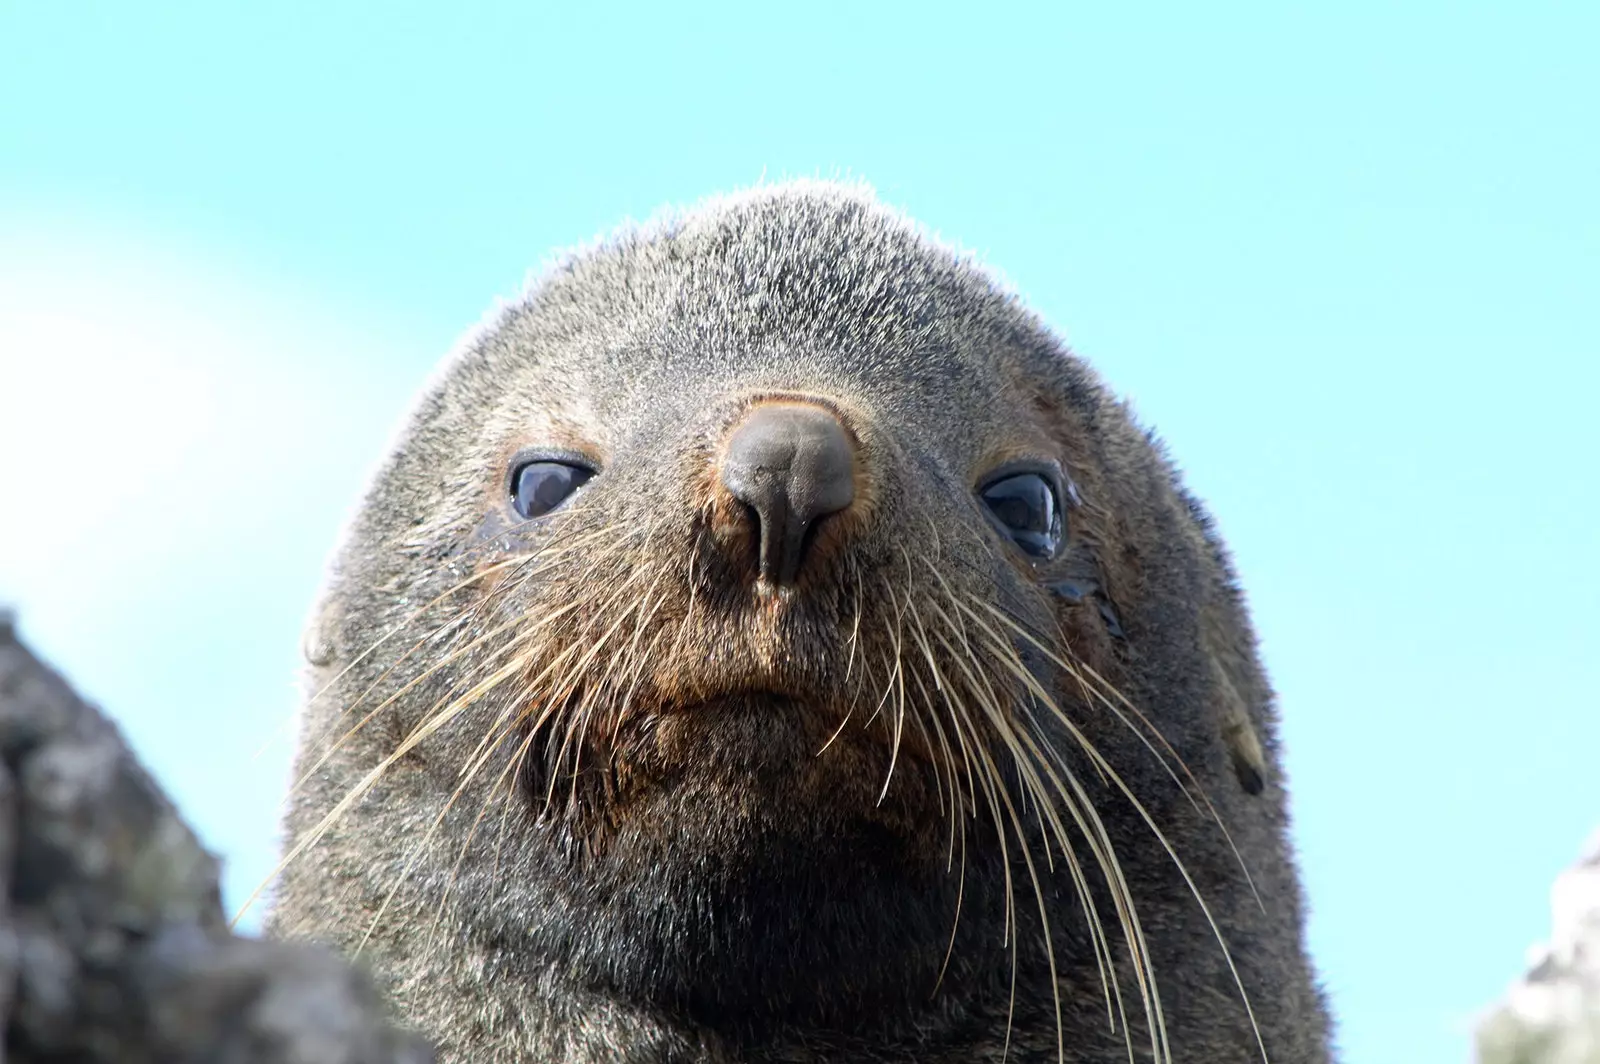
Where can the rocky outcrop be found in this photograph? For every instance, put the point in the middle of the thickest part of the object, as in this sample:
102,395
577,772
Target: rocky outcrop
1552,1015
113,942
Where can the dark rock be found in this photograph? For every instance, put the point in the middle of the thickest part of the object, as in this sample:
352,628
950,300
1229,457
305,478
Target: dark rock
113,942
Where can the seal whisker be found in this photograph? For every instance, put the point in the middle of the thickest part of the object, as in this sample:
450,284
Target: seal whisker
1033,786
428,637
1098,688
485,751
900,715
475,765
1194,786
945,767
585,713
992,703
500,787
365,784
958,836
564,689
999,797
589,696
963,720
1081,806
416,854
1044,698
406,622
515,767
1096,837
530,567
639,664
449,659
849,712
373,776
891,672
524,568
455,699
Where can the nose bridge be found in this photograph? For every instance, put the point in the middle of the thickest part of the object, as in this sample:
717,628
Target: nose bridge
792,465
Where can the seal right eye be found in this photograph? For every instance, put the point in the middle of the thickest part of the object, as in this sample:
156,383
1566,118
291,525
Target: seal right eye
1025,504
539,487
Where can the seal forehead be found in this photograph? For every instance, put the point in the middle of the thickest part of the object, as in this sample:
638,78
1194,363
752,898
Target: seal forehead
808,282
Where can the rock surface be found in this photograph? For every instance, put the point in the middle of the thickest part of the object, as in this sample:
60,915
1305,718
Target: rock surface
113,942
1552,1015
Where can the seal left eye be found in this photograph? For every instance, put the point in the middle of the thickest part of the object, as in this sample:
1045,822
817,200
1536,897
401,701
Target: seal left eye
539,487
1026,505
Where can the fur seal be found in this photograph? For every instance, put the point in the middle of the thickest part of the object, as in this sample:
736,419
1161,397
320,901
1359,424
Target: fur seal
767,642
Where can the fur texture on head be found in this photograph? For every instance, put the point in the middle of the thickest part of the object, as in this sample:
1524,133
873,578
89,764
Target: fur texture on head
593,786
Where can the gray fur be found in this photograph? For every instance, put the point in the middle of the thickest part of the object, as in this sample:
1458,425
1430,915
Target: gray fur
754,899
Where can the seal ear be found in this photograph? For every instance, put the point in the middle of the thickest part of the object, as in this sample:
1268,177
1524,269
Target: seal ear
1238,733
1240,695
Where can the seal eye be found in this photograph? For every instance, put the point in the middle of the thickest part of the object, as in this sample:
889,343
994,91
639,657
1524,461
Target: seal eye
539,487
1026,505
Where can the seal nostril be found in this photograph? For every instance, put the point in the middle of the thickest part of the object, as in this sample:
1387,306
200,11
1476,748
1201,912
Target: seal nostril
754,520
791,465
807,538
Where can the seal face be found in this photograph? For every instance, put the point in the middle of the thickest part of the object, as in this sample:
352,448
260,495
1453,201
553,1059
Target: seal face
767,642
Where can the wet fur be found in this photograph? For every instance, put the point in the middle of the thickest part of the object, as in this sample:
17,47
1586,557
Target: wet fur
578,792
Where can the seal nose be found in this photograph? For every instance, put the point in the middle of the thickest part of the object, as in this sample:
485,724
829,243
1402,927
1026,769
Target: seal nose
792,464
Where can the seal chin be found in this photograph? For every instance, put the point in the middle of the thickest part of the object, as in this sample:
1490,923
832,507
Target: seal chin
740,861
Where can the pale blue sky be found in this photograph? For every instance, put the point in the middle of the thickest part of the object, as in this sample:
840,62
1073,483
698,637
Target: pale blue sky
1348,263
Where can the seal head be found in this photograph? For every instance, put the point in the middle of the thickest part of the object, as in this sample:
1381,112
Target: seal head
766,641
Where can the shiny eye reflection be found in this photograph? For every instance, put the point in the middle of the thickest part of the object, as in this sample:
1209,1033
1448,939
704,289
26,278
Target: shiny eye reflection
1026,505
539,487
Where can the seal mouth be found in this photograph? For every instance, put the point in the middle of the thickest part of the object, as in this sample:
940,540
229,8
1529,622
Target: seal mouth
733,697
756,727
789,722
773,746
